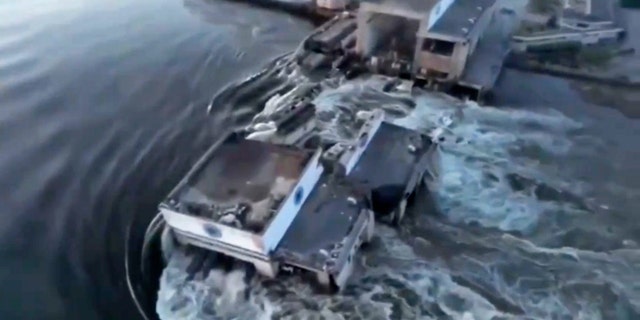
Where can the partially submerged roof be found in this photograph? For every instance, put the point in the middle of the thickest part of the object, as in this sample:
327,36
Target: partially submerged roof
484,66
460,18
323,226
242,183
418,9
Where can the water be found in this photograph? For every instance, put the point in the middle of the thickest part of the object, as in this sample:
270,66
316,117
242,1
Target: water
532,220
103,110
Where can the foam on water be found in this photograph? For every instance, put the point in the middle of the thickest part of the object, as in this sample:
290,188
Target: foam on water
493,162
379,291
479,150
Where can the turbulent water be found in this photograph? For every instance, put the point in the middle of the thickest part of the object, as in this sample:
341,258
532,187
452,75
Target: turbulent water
103,109
518,230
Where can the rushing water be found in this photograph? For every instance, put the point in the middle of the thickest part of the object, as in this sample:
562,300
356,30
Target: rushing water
103,109
530,221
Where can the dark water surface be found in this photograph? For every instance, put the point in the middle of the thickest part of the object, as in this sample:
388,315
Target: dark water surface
102,109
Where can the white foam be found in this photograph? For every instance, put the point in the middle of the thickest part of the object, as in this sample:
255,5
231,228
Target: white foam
477,154
197,298
478,146
374,296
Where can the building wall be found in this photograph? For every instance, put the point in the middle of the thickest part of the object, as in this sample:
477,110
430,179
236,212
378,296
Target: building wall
197,226
380,32
292,205
332,4
583,6
461,55
434,61
453,64
366,10
585,38
362,31
583,24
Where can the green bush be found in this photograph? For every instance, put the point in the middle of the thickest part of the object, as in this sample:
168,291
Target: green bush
545,6
595,56
630,3
527,28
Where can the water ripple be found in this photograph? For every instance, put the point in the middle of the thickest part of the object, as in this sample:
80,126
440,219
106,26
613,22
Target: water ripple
508,234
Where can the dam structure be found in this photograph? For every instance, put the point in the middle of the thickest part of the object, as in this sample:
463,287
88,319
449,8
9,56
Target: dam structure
446,45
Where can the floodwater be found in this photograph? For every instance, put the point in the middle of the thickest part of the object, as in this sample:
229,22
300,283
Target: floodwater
103,109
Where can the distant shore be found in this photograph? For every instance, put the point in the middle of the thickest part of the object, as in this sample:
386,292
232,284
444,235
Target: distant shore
625,100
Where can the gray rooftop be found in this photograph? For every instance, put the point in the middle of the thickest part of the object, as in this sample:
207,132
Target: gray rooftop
328,215
461,18
243,181
326,219
560,31
485,65
389,149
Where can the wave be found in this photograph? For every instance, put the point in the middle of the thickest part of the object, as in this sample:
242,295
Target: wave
478,256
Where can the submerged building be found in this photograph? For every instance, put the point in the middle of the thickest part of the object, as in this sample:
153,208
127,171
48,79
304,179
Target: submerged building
429,40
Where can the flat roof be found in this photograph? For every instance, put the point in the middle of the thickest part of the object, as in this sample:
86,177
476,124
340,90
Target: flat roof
335,206
242,183
389,149
460,18
485,65
323,223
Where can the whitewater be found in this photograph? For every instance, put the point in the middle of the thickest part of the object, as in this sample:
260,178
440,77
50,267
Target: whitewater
490,242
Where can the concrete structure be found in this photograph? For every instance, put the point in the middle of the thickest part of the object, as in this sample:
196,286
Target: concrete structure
445,45
582,6
564,36
332,4
428,39
264,197
581,23
573,19
387,32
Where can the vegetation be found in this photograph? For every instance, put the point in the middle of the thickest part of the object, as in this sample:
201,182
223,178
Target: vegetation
596,56
630,3
554,48
527,28
545,6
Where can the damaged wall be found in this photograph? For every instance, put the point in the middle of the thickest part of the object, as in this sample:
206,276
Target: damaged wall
380,34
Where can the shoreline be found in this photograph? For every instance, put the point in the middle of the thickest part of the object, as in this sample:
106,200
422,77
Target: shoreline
513,90
624,100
